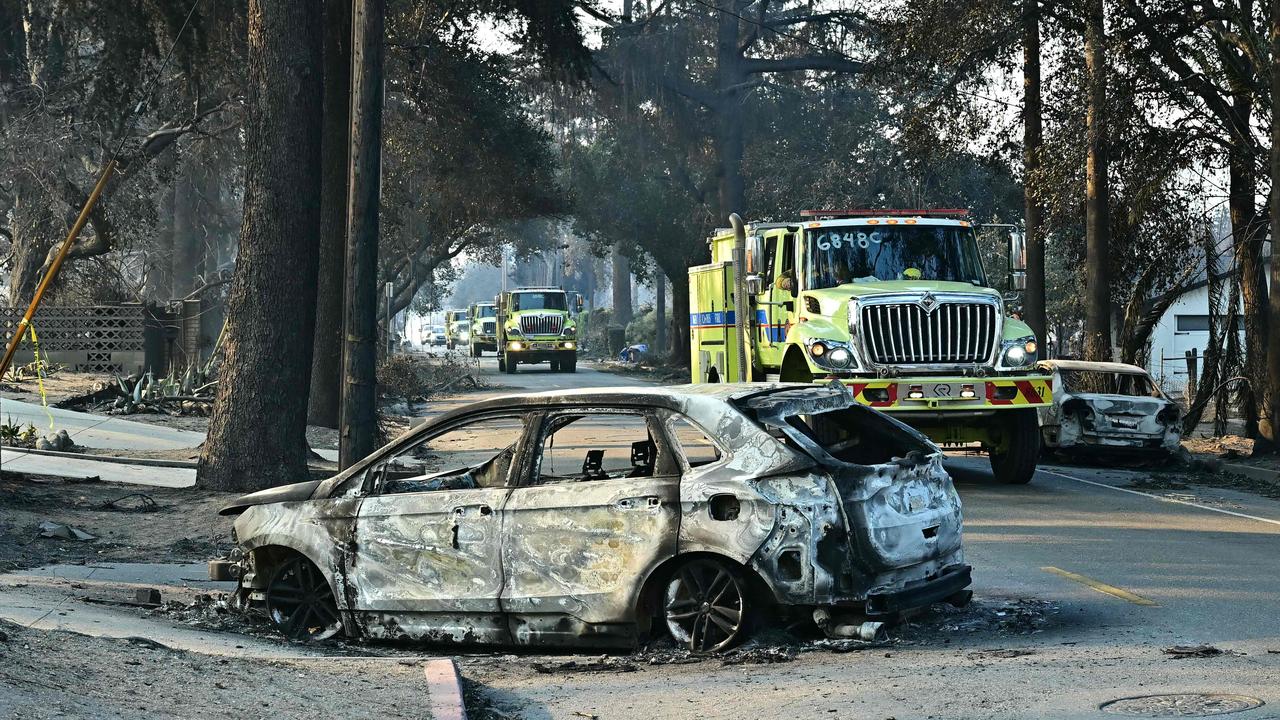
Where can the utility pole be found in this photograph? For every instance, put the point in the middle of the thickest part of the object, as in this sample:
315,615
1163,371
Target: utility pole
360,316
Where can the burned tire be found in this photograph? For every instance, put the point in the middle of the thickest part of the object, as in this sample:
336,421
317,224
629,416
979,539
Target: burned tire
300,601
1016,464
707,606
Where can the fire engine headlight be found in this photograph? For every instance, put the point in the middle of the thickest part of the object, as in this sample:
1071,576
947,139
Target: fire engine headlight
515,345
1019,353
570,331
513,330
839,357
818,349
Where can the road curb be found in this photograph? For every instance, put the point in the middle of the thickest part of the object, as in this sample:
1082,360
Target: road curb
444,690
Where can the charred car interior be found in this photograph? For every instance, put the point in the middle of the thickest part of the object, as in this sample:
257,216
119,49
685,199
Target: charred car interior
603,517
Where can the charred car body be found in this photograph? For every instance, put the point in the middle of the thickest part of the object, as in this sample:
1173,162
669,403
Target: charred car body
1106,407
600,517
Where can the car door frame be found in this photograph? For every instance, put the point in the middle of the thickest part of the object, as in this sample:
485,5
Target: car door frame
547,594
464,524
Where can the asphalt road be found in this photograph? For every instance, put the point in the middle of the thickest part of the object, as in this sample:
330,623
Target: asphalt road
1115,573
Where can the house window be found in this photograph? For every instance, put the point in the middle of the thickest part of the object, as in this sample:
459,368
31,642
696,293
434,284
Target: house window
1200,323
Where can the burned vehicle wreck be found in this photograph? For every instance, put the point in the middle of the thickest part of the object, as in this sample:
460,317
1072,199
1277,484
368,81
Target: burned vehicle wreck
1108,408
603,517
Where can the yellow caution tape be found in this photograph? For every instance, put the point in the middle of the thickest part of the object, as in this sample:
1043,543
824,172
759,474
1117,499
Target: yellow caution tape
44,399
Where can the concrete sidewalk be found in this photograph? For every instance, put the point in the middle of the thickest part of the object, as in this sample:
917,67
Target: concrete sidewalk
110,433
97,431
15,460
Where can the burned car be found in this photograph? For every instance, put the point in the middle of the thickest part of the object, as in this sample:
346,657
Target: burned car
1109,408
600,517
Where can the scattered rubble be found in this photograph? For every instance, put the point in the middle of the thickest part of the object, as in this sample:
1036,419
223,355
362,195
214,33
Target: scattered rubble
1000,653
64,532
604,663
1180,652
59,441
136,502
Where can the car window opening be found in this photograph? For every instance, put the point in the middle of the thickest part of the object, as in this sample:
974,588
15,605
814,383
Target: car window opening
475,455
856,437
612,446
1108,383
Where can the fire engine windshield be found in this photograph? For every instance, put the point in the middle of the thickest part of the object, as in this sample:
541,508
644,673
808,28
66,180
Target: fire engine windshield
538,301
865,253
486,311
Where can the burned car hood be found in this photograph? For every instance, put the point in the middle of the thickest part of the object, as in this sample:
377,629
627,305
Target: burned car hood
282,493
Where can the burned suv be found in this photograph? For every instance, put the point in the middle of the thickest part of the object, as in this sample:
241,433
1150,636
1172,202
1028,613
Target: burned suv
596,517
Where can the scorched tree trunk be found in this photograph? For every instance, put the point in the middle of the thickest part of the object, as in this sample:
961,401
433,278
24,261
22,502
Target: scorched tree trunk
257,432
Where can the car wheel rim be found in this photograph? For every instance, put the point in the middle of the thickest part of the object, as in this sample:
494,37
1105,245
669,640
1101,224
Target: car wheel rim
301,603
705,606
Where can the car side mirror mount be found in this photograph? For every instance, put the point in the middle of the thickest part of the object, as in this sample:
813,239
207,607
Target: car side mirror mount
755,285
1018,280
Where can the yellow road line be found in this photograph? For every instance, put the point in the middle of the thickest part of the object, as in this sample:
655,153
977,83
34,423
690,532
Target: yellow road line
1101,587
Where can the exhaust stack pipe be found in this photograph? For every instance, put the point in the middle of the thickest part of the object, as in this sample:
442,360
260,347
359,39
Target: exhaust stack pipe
740,304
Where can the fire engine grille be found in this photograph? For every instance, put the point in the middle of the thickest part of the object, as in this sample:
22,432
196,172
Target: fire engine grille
541,324
905,334
488,327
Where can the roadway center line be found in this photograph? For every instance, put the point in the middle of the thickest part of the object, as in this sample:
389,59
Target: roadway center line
1101,587
1162,498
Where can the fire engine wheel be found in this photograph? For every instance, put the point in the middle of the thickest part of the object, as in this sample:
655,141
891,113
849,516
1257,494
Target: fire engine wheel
449,345
706,606
569,366
300,602
508,365
1015,463
555,366
475,352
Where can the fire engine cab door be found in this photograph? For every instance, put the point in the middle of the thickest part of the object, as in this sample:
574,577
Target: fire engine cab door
774,307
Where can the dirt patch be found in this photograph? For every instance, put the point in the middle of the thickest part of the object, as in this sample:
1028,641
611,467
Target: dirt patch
180,525
64,675
61,385
1226,447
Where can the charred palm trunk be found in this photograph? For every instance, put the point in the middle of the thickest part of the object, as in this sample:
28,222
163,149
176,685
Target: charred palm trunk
257,435
1097,322
1269,425
1033,302
1249,233
680,318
